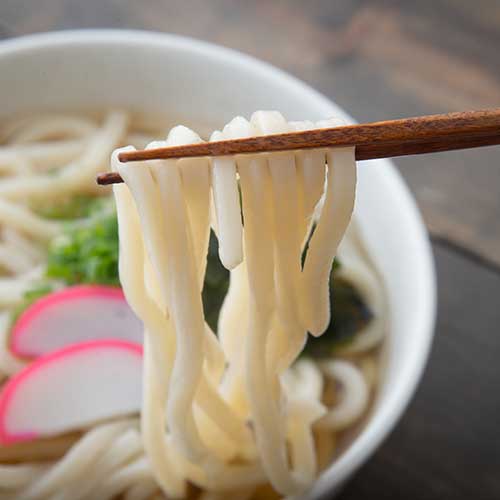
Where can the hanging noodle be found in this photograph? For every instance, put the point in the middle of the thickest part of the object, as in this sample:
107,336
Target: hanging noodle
332,223
273,260
227,206
230,412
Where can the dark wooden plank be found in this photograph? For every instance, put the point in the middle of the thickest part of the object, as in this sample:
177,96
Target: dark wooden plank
447,444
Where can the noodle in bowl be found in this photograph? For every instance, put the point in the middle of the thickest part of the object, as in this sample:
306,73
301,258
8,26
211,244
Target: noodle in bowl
132,71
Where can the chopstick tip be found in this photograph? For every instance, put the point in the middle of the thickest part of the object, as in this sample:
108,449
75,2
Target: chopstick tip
108,178
122,157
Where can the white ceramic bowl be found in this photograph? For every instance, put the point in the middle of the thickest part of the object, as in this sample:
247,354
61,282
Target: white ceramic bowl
203,83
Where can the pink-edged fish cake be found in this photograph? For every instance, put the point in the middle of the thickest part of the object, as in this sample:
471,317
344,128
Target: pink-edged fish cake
73,315
70,389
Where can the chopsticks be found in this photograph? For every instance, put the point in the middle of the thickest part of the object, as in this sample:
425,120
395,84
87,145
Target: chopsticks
408,136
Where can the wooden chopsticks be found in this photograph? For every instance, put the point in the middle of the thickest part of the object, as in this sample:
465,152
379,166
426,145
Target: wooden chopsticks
408,136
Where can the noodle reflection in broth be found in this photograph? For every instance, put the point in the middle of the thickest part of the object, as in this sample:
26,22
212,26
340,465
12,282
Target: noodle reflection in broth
226,408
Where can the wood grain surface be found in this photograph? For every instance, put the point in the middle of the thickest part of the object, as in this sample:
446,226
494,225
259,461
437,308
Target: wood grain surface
384,59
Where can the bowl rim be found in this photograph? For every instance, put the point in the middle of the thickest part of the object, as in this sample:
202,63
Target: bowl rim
387,414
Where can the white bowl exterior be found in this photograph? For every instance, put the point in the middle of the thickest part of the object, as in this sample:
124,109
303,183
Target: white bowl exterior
207,84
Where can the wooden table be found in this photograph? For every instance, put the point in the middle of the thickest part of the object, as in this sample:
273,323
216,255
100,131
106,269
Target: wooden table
384,59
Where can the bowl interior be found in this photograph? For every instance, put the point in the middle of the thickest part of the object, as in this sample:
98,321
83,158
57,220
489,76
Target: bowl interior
204,86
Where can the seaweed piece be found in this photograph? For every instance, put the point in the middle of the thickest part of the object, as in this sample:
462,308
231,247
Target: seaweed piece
216,284
349,314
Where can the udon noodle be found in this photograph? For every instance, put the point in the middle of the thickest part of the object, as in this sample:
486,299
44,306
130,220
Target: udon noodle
226,412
